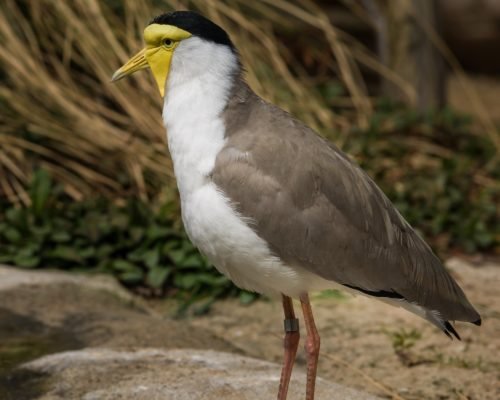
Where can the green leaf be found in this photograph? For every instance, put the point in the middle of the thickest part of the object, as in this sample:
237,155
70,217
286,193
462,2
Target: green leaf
151,258
169,246
14,216
177,256
132,277
105,250
186,281
41,231
156,232
61,237
87,252
26,251
137,255
123,265
157,276
65,253
213,279
12,235
26,261
6,258
40,190
192,260
104,265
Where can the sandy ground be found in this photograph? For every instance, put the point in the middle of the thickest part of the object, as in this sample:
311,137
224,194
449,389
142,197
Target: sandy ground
384,350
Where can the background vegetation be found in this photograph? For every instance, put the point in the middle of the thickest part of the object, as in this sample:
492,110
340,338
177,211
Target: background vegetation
85,178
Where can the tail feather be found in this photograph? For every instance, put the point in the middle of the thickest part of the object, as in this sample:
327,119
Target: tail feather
434,317
449,328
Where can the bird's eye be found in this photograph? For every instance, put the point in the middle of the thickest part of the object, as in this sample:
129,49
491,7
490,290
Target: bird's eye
168,43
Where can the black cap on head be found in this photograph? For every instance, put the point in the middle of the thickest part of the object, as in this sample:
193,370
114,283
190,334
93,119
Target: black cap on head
195,24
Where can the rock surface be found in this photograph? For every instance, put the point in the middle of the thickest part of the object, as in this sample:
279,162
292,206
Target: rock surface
92,311
150,374
66,336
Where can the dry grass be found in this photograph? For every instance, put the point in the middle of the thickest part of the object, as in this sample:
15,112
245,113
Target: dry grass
61,112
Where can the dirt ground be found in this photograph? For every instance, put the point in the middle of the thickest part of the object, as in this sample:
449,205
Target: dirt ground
380,349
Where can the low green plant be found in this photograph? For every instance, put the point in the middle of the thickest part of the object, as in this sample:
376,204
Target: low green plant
441,175
403,340
143,246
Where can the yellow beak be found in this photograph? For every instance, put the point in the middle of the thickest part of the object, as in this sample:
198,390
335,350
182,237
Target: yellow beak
136,63
156,58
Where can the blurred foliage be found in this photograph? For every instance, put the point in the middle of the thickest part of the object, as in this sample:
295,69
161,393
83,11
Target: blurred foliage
67,134
443,178
145,249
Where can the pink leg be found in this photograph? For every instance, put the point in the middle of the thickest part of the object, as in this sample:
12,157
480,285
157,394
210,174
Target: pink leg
291,342
312,346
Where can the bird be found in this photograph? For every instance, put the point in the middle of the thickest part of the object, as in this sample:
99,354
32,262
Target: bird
274,206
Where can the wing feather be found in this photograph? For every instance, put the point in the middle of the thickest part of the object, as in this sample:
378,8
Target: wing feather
319,210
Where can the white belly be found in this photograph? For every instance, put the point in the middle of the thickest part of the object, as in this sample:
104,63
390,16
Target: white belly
236,250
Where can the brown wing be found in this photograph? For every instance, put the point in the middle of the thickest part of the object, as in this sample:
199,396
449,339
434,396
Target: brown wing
319,210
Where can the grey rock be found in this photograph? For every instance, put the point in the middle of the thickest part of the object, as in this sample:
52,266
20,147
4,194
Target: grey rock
94,311
179,374
84,337
12,278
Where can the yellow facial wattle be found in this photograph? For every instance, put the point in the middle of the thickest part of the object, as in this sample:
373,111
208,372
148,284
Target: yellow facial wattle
161,41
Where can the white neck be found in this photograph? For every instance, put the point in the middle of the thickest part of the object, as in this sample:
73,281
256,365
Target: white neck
198,89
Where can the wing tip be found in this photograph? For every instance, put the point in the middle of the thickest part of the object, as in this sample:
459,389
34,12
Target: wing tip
449,330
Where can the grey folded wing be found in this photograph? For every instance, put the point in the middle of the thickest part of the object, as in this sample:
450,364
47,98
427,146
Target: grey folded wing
319,210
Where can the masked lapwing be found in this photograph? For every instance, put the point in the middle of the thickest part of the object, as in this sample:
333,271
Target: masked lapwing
276,208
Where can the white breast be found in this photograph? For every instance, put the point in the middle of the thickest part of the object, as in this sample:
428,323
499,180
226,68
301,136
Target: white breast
195,129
